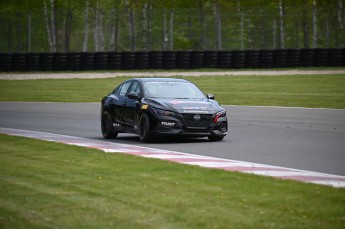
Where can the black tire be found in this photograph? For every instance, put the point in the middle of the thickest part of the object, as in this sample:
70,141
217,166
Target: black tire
108,130
144,128
214,138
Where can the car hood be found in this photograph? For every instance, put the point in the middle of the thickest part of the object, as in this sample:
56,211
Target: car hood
202,106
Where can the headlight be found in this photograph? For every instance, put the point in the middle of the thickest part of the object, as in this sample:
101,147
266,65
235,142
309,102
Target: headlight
218,115
162,112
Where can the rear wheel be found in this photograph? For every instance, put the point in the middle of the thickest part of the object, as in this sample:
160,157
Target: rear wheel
108,130
144,128
214,138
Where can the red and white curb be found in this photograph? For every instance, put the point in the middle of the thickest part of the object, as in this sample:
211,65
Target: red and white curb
184,158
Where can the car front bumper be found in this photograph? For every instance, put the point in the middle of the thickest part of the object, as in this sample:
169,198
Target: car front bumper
176,126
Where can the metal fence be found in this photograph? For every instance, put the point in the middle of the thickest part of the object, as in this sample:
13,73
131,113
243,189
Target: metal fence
237,59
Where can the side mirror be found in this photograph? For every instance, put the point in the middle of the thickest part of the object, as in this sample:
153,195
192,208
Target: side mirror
211,96
133,95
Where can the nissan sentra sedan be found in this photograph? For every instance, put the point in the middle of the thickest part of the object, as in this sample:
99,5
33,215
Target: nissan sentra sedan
153,107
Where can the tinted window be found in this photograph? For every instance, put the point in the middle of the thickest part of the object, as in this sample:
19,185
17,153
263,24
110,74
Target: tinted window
124,88
135,88
172,89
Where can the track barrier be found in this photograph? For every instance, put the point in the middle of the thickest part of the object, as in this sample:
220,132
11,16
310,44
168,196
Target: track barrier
235,59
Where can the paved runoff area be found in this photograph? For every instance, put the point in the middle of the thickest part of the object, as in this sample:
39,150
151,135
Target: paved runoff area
184,158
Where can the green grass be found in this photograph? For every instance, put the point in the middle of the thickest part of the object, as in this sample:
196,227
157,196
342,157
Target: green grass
51,185
326,91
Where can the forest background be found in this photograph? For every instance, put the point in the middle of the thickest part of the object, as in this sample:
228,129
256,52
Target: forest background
148,25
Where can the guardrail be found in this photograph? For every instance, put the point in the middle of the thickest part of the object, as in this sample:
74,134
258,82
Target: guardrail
236,59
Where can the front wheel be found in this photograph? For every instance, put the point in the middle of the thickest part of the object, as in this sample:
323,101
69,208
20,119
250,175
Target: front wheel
144,128
108,130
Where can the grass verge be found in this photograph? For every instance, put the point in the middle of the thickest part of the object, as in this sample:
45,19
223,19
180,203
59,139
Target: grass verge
51,185
326,91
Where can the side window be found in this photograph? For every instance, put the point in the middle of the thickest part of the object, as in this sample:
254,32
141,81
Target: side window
135,88
124,88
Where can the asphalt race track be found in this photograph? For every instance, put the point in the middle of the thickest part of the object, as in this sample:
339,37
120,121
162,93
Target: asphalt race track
307,139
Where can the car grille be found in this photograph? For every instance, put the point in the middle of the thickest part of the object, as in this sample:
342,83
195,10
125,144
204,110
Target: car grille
192,121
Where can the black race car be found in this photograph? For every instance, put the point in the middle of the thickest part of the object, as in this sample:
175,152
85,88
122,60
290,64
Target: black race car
152,107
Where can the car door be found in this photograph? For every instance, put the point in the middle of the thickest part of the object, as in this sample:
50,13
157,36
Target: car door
131,105
122,102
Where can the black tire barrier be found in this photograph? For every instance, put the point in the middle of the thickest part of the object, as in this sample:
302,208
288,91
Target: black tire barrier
114,61
197,59
60,62
237,59
87,61
6,62
169,60
252,59
293,58
307,57
225,59
46,61
156,60
280,57
33,62
142,60
321,58
266,58
211,59
336,58
74,61
183,60
101,61
128,60
19,61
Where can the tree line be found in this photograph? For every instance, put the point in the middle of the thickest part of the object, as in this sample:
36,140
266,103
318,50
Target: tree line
148,25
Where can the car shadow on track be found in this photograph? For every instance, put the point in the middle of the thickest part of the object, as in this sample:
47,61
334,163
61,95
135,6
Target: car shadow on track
133,139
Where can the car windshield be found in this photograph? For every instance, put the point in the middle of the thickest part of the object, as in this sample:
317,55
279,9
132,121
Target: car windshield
172,90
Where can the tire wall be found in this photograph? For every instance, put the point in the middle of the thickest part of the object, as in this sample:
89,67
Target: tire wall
236,59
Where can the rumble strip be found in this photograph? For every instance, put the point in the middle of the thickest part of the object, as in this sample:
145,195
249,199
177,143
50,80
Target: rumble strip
184,158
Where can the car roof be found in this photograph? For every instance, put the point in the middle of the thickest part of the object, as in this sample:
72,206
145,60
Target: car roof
152,79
